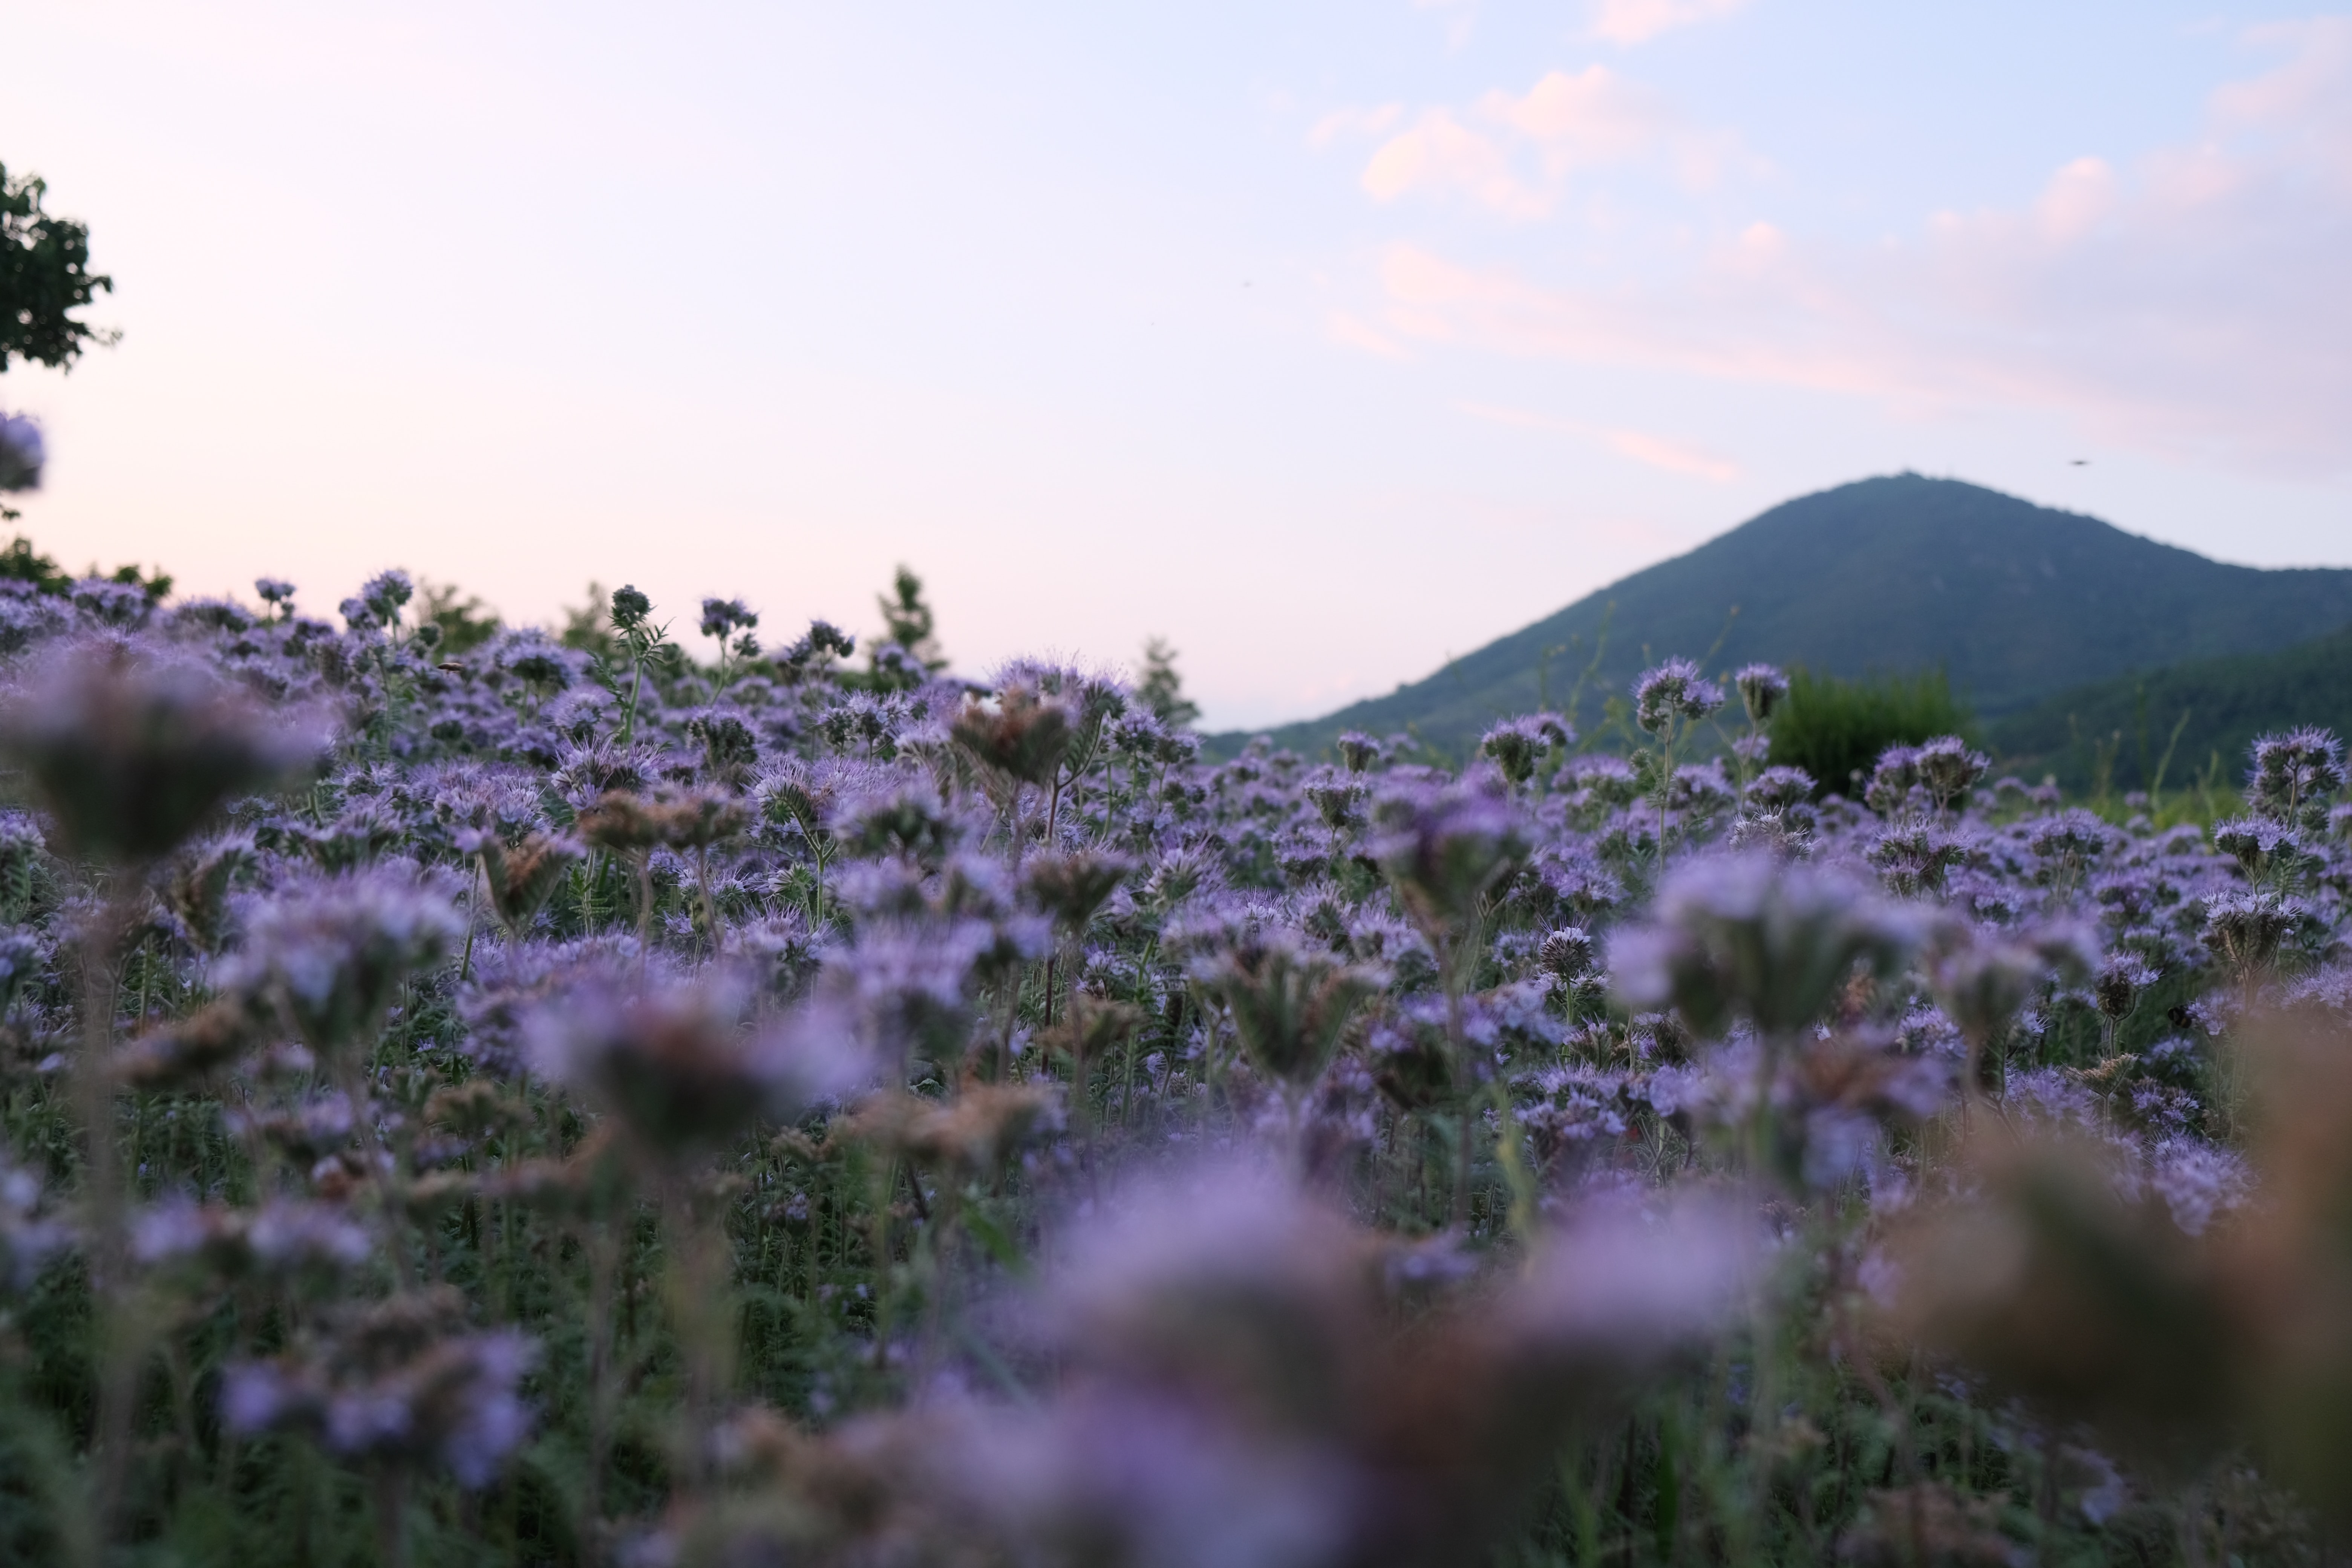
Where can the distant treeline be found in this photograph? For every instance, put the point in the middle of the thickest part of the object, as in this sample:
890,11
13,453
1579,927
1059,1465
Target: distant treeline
2182,722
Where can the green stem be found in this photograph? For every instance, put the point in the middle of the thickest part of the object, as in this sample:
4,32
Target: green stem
117,1333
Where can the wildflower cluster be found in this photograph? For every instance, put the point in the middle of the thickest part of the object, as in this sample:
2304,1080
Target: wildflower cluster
529,1105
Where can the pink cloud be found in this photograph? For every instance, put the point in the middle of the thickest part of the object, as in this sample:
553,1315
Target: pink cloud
1518,152
1657,451
1342,123
2193,302
1440,152
1592,118
1353,331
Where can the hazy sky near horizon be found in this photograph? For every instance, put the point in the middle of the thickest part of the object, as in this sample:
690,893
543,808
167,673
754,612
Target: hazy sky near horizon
1326,339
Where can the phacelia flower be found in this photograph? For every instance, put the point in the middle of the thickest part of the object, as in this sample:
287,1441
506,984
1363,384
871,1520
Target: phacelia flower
333,951
1289,999
22,453
1756,936
393,1383
677,1065
1444,850
1673,691
130,753
2291,769
1762,689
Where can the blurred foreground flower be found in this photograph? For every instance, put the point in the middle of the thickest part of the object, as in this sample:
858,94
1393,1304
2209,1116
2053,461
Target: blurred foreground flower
396,1382
333,952
1446,850
676,1065
1289,999
22,454
1756,936
129,751
1243,1385
2103,1299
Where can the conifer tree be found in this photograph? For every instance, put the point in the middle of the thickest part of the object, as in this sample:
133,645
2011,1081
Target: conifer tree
1162,687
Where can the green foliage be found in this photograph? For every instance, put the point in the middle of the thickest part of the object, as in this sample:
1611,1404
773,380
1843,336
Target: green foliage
2015,602
155,584
2168,729
465,621
20,562
1162,687
907,622
588,626
45,277
1835,729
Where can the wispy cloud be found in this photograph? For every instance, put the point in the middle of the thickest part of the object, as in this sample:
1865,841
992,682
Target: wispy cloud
1657,451
1440,153
2190,301
1374,121
1515,153
1353,331
1638,21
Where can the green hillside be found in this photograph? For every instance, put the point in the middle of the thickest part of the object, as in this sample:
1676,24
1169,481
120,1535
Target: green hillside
2217,705
2015,602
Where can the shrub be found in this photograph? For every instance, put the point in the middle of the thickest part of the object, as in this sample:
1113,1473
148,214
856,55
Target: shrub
1835,728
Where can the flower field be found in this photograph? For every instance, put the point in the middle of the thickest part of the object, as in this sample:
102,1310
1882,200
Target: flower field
567,1101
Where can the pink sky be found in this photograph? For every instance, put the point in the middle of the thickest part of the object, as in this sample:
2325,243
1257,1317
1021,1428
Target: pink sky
1326,340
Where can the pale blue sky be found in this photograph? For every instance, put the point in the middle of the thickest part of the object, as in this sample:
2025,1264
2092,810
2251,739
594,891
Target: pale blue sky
1325,339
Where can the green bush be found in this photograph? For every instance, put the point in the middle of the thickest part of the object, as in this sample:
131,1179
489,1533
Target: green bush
1835,729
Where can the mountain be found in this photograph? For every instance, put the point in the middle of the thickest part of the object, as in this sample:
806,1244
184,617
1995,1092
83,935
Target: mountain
2015,602
2217,706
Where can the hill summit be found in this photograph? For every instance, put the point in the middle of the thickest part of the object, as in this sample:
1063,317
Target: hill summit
2015,602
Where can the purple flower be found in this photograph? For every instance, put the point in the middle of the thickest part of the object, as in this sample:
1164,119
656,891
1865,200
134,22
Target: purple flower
333,951
721,617
1289,999
1445,850
391,1383
1359,751
257,1396
130,753
2121,977
22,454
1619,1288
1891,780
2197,1181
1517,745
2068,841
1982,980
117,605
904,991
1568,953
1603,780
1762,688
284,1237
677,1067
386,593
28,1239
2257,843
2293,768
1946,769
1756,936
532,658
1672,692
1118,1475
2245,930
1913,856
